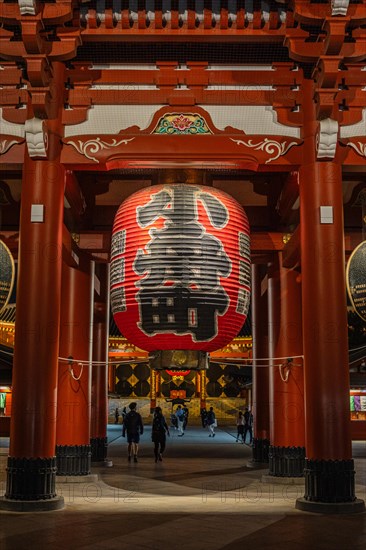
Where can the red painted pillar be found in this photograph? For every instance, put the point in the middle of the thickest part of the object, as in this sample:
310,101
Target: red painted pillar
260,367
99,411
324,314
329,467
73,407
111,378
31,471
287,419
158,384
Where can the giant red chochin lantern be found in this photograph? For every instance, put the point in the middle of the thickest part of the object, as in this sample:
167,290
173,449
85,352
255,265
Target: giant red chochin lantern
180,271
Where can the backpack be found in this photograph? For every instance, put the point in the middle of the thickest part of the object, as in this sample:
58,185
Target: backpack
157,425
133,422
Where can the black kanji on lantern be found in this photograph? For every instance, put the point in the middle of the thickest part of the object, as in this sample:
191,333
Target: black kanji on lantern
181,291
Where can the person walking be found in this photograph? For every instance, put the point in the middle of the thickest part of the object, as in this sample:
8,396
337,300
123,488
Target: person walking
186,415
179,413
159,430
134,427
211,422
116,415
248,423
204,417
240,427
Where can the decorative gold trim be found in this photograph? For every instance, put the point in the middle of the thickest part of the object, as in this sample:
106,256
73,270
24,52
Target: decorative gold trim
268,146
7,334
239,345
95,145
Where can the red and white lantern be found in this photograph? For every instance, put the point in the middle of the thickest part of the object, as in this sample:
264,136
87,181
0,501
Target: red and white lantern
180,268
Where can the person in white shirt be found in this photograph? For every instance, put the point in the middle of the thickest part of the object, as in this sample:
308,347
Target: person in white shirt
179,413
211,422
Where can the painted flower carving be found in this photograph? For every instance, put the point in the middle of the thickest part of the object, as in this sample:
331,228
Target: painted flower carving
182,123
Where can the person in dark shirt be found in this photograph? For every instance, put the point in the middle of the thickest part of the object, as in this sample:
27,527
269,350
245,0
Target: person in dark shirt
248,423
159,430
204,417
134,427
186,415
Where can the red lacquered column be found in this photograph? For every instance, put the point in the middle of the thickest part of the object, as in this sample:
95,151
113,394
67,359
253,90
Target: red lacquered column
287,421
260,368
73,399
99,411
31,471
329,469
111,378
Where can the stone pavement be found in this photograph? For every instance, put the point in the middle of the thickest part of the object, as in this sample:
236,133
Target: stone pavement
202,496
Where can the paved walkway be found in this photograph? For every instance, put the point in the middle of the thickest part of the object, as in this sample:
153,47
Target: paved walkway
202,496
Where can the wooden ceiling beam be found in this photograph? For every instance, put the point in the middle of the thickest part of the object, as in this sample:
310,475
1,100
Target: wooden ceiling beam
150,35
85,96
194,75
291,255
289,201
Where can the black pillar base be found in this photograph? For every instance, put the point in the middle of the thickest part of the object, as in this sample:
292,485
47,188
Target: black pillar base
355,507
73,460
49,505
260,450
329,481
286,461
99,448
31,479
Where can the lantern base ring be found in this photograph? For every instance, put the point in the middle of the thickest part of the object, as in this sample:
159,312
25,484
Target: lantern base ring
179,360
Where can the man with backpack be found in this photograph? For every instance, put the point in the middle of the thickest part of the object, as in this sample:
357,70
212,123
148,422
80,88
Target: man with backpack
134,427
